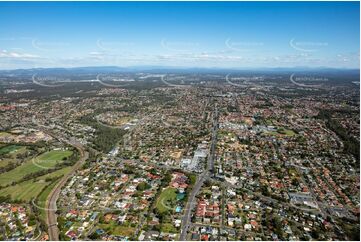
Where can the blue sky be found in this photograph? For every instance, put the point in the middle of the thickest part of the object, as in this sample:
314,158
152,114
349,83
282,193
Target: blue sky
187,34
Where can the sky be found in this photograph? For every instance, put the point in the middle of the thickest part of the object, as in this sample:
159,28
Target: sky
180,34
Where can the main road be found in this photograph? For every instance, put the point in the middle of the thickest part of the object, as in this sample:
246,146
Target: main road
186,219
51,218
50,206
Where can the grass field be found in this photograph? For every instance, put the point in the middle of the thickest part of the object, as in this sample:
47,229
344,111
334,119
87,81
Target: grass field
117,230
289,132
5,162
25,190
168,228
269,121
11,157
49,159
55,173
4,134
9,149
123,120
286,132
167,195
29,189
43,161
43,197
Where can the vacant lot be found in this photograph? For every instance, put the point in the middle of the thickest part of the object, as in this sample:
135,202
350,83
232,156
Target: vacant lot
117,230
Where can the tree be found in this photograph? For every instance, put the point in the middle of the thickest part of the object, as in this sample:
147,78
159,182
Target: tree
143,186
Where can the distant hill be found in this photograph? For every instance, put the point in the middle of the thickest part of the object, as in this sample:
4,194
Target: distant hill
169,69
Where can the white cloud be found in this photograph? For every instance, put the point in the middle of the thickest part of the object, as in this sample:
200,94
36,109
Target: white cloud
18,55
21,59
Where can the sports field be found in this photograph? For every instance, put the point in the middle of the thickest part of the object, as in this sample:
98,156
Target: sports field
167,195
25,190
51,158
55,173
28,190
43,161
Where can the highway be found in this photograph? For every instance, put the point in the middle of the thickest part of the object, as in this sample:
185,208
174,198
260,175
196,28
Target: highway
51,218
186,219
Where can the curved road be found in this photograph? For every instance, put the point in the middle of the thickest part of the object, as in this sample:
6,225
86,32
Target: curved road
51,218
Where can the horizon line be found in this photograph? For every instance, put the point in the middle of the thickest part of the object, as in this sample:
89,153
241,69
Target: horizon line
150,67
